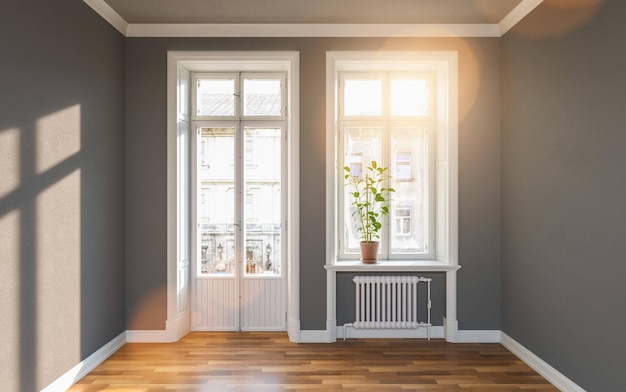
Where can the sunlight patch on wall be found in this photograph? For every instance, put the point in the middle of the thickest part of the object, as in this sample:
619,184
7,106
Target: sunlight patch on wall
10,153
58,137
10,294
58,270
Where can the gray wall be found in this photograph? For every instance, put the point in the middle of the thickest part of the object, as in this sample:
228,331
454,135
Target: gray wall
61,189
564,165
479,156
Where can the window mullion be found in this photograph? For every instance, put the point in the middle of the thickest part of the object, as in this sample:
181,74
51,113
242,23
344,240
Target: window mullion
386,233
386,153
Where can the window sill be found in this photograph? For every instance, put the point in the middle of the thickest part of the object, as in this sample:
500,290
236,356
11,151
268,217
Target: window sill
395,265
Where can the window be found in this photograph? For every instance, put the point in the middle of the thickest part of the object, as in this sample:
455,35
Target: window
383,115
398,109
355,162
203,208
241,123
250,203
249,151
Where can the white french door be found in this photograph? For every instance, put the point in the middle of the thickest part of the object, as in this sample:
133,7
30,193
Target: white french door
239,279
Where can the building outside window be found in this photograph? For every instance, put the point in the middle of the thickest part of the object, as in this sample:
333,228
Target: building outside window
403,166
402,215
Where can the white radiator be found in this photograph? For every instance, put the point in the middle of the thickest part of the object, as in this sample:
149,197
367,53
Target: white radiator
389,302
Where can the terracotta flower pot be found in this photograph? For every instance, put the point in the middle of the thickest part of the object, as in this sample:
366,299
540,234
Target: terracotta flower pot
369,252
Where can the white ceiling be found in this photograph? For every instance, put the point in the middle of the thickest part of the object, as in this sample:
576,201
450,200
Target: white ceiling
313,17
313,11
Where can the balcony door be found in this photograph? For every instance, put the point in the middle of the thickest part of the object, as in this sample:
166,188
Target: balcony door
239,280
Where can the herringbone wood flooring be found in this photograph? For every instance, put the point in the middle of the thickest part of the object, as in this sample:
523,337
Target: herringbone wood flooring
267,361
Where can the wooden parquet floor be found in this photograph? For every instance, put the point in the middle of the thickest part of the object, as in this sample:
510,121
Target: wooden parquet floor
267,361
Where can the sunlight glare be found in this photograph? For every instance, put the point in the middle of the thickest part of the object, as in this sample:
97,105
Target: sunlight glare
363,97
409,97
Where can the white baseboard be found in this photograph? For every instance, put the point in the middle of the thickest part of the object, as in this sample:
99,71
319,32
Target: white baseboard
293,330
555,377
179,327
420,333
147,336
450,330
79,371
314,336
486,336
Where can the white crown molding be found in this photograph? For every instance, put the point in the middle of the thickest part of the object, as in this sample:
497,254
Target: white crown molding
109,14
524,8
312,30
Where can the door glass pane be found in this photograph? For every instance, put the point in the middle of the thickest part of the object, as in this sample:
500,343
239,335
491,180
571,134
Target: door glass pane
216,97
262,97
410,179
216,201
363,97
262,201
409,97
362,145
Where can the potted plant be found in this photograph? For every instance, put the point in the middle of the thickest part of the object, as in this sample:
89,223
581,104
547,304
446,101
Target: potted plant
371,200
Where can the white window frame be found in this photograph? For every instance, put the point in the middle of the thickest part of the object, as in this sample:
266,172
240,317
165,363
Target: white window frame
239,91
386,122
179,67
445,66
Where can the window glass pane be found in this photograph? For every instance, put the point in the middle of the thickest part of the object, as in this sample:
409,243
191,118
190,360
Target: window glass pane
362,145
262,201
216,97
363,97
216,211
409,216
261,97
409,97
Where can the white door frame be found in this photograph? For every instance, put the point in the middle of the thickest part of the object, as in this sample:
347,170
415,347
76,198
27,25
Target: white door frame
178,321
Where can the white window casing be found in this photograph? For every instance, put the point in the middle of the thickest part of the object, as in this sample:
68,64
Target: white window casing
440,120
444,257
